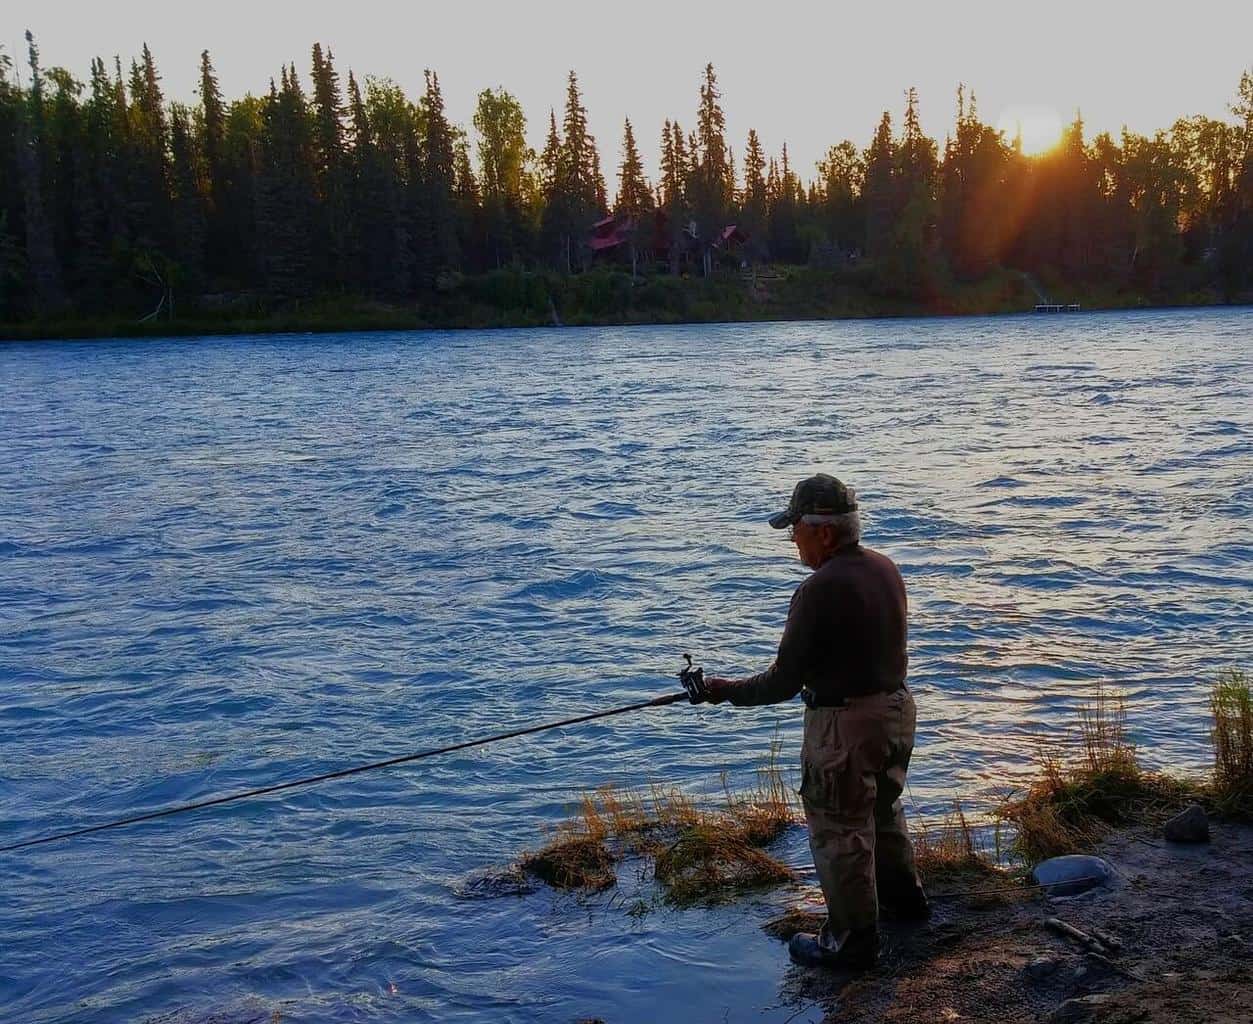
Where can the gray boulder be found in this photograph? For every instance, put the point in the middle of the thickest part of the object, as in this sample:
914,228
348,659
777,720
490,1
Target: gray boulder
1189,826
1072,874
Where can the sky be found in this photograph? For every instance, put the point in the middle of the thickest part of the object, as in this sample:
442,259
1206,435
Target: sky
808,74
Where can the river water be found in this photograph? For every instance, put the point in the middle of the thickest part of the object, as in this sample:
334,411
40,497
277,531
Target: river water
230,562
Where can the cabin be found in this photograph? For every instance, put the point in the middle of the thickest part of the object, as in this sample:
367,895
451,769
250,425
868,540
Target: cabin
649,238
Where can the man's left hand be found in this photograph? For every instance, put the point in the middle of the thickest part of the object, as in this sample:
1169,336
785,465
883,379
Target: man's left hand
718,689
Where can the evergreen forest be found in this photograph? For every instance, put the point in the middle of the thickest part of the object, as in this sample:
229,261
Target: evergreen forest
329,193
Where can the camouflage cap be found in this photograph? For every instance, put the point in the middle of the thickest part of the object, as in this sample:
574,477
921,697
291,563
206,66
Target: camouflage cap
817,495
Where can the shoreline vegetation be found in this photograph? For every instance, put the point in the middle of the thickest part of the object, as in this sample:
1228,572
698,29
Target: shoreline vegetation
605,297
1089,784
342,204
1164,941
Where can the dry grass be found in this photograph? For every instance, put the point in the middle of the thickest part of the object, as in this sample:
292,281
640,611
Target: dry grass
948,849
573,862
1077,799
700,851
761,814
1232,706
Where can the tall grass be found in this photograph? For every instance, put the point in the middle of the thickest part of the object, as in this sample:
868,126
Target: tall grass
1077,799
1231,704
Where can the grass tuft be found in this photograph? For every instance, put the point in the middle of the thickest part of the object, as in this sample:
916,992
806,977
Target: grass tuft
710,860
1232,706
573,862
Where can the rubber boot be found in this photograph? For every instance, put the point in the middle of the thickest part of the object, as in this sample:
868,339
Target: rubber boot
858,952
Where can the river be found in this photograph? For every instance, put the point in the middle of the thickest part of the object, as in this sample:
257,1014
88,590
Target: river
226,562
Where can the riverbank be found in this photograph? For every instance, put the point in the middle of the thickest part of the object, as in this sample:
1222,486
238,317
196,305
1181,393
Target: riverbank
510,298
1178,919
1165,940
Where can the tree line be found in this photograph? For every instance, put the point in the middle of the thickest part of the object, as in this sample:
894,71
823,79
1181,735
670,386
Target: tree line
115,200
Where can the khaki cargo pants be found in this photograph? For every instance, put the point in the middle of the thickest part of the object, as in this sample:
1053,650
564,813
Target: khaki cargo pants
853,764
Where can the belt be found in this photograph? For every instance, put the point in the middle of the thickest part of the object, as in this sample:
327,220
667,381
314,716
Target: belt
813,699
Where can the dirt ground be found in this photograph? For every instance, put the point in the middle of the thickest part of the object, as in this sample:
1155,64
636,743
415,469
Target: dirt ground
1178,923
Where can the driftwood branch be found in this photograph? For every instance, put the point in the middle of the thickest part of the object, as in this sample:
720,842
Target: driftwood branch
1071,932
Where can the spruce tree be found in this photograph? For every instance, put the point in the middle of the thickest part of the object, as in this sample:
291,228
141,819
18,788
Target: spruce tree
712,181
439,248
674,186
909,268
753,198
286,190
12,273
146,148
552,215
218,247
581,189
95,201
213,119
243,154
879,191
784,213
330,173
634,195
471,225
188,212
600,191
328,126
41,255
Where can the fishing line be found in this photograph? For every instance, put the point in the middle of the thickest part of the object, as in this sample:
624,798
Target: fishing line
1022,889
657,702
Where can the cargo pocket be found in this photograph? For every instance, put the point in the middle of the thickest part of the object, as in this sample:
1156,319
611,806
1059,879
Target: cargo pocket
822,782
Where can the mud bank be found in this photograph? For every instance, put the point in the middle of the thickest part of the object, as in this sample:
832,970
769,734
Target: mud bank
1180,917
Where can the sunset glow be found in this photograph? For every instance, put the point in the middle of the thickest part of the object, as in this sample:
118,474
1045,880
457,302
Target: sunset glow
1041,127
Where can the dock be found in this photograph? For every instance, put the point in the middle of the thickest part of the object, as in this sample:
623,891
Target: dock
1058,307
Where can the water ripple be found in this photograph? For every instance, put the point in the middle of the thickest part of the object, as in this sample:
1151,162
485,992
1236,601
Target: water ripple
229,562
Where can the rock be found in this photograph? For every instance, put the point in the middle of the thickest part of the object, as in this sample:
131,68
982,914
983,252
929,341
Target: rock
1041,967
1072,874
1076,1011
1190,826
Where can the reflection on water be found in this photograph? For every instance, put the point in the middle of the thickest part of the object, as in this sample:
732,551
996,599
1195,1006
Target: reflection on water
231,562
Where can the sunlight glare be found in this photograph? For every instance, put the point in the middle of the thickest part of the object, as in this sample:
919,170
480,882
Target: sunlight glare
1040,126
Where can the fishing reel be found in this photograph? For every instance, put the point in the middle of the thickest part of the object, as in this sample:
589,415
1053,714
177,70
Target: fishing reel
693,680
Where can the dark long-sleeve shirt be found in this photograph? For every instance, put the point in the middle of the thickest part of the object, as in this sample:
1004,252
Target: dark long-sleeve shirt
845,633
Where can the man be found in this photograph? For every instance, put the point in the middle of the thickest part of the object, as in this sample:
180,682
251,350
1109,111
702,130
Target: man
843,650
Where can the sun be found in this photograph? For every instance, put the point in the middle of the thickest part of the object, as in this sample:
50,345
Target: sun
1041,128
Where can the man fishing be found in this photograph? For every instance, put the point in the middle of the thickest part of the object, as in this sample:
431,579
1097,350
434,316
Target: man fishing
843,650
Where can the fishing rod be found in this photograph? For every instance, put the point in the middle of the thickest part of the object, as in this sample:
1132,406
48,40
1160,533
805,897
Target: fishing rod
694,691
